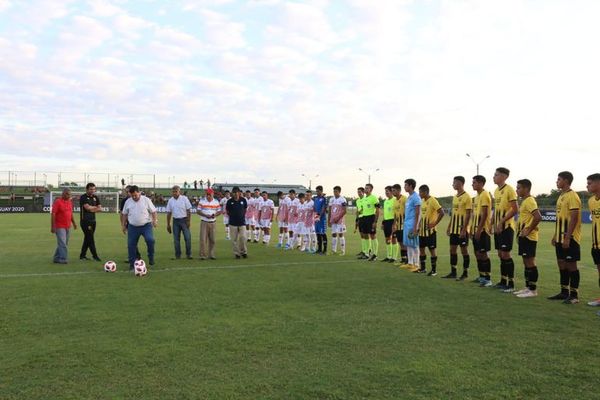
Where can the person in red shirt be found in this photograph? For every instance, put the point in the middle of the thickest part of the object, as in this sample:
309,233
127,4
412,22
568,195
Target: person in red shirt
61,219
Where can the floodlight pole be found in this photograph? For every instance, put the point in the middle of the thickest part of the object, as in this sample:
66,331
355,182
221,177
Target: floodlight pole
310,180
477,164
369,173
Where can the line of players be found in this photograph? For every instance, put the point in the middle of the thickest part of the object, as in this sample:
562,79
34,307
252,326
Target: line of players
301,217
409,224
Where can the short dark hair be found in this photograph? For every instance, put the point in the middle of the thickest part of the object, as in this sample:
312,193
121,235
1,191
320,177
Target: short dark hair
566,175
264,192
235,189
397,186
301,196
526,183
256,189
133,189
362,189
319,188
411,182
292,191
89,185
309,191
337,188
424,188
479,179
227,191
279,193
248,191
503,170
594,177
369,185
388,187
459,178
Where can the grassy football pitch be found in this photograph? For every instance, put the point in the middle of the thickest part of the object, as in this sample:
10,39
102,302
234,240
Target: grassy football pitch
280,325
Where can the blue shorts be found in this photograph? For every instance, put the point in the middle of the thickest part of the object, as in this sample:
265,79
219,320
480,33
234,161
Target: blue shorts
410,241
321,227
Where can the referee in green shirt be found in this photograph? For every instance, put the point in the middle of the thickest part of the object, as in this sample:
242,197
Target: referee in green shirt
368,223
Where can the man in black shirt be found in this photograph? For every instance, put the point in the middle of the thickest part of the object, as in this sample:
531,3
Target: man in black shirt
236,210
89,205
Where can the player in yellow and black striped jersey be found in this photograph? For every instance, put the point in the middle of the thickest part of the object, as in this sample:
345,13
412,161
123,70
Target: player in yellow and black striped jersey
399,205
593,187
505,209
431,215
481,230
566,239
529,218
458,228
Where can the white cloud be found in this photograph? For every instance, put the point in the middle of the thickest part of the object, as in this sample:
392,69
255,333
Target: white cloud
4,5
102,8
220,32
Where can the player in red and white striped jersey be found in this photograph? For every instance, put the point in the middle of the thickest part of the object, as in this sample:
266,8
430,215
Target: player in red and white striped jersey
282,218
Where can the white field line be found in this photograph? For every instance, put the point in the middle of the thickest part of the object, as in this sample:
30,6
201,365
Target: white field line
190,268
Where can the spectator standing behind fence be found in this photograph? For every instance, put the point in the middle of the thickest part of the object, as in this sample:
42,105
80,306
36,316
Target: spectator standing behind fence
236,210
179,207
208,209
138,217
89,205
61,219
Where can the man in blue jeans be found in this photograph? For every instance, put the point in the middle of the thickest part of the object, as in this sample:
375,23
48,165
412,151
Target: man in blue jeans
138,217
179,207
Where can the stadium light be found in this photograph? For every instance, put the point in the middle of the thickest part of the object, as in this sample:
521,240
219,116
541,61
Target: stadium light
310,180
477,163
368,173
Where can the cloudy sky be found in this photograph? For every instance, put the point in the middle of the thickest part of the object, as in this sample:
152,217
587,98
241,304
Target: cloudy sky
270,90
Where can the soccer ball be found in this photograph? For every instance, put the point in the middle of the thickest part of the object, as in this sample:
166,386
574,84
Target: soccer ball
110,266
139,268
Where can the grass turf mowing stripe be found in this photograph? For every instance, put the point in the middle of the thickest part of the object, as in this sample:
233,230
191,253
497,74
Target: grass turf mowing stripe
191,268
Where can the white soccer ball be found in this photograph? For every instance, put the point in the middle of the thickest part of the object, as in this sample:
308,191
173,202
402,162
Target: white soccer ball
139,268
110,266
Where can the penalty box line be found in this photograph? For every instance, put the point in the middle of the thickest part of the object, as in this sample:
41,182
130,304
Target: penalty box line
170,269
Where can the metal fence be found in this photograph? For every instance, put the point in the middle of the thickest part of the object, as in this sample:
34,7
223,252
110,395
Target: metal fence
107,180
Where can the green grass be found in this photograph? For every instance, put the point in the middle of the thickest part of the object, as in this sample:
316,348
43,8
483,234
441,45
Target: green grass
279,325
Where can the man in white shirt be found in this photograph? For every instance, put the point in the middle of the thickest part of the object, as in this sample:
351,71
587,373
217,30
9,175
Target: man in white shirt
138,217
208,210
179,208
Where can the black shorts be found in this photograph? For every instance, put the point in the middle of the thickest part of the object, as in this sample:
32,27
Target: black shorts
365,225
596,256
399,236
527,247
484,244
429,242
503,241
456,240
387,227
572,254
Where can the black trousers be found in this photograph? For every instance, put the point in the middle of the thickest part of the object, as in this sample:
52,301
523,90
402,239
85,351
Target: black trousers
88,228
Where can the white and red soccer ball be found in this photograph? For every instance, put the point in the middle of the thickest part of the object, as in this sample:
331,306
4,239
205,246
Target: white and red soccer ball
110,266
139,268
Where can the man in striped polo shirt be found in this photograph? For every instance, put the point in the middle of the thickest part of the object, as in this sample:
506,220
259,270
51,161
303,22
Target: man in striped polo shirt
208,210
